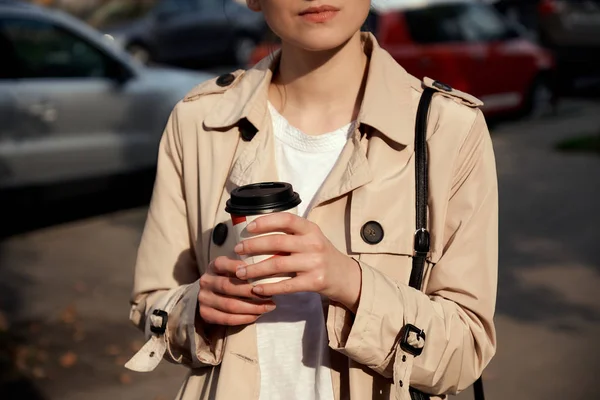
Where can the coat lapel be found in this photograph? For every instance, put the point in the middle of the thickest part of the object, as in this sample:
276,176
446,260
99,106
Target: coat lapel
350,172
255,160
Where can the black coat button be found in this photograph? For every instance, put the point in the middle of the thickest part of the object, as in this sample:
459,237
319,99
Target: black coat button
442,86
225,80
219,234
372,232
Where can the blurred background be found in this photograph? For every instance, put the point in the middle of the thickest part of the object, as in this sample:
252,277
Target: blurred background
86,87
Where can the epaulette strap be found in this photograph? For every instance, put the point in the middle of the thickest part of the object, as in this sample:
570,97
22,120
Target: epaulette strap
216,85
448,91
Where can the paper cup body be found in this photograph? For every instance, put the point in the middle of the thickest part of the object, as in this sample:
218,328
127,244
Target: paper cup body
240,224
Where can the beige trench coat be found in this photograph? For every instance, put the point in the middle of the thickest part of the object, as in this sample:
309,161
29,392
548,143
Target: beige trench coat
220,137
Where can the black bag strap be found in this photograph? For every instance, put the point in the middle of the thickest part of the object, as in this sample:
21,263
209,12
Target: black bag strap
421,243
422,239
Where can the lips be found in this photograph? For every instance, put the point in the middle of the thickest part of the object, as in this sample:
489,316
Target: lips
319,14
320,9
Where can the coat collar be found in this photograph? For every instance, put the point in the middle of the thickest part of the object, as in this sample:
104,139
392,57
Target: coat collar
387,104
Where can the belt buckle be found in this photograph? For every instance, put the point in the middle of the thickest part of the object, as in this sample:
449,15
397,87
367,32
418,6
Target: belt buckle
159,330
404,345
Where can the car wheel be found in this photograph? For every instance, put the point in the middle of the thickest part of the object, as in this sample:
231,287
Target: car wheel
242,51
140,53
540,99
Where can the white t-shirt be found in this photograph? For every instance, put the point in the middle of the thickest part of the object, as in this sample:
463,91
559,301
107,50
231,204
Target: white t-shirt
292,340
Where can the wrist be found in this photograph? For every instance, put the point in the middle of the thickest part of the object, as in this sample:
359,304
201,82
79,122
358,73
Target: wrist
351,288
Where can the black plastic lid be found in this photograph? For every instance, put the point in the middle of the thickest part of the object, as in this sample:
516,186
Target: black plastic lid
262,198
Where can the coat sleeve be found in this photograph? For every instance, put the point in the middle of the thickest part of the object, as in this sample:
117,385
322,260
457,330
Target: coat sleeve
166,273
457,311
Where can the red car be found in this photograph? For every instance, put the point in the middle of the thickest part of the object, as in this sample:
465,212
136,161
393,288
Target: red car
466,44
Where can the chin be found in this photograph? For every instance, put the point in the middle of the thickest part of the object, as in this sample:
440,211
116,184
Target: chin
320,40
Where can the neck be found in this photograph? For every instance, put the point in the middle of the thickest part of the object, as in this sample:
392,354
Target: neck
329,81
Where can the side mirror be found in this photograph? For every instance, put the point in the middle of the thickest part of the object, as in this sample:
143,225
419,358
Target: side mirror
120,74
513,32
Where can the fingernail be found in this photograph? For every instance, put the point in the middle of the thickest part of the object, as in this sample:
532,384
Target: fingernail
251,226
270,307
241,272
238,248
257,290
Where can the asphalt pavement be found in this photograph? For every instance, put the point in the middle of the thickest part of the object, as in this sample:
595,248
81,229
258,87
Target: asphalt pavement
65,281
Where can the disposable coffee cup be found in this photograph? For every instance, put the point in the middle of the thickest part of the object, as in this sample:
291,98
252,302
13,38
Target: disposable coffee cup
249,202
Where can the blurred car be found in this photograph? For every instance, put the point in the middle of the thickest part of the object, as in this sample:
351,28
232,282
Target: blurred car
113,13
467,45
570,29
183,32
72,105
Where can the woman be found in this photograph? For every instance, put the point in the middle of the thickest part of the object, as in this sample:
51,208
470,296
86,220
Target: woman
333,114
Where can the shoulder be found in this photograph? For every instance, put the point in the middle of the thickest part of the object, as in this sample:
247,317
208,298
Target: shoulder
447,91
453,113
203,100
187,117
215,86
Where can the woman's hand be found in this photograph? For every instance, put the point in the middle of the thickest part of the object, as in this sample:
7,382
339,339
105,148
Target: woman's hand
226,300
318,265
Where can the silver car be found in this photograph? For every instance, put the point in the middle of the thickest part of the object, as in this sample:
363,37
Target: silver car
74,106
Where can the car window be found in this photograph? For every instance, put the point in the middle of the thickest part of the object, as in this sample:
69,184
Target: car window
212,6
430,25
43,50
9,67
481,23
176,6
457,22
119,12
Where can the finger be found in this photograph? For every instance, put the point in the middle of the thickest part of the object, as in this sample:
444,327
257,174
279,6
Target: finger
281,222
233,305
274,266
227,286
216,317
225,266
293,285
270,244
